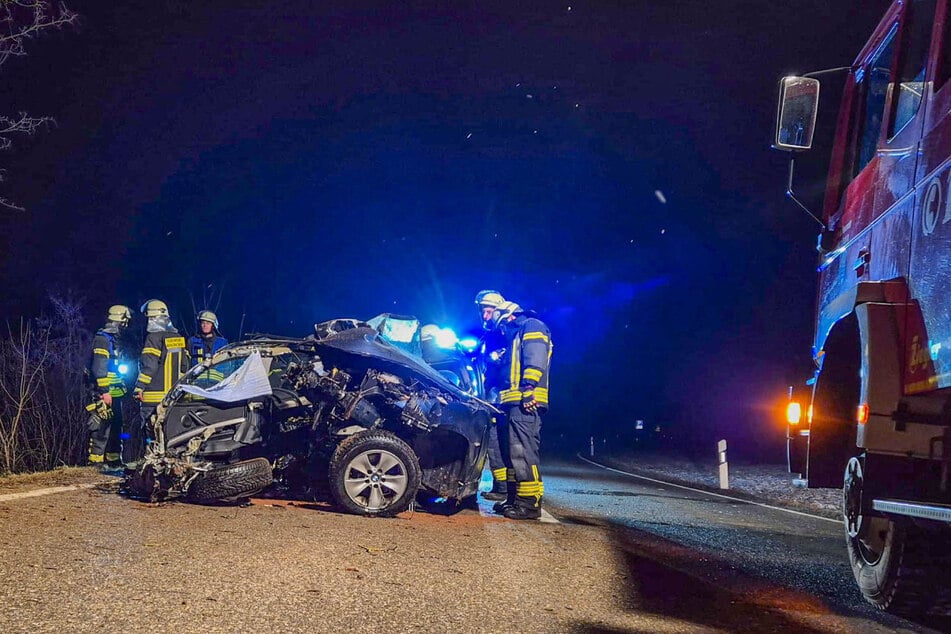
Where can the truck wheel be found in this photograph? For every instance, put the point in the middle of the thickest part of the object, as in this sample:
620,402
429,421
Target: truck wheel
374,473
896,564
232,481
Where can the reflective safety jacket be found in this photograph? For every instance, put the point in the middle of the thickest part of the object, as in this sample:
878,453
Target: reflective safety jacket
526,359
202,348
104,366
164,359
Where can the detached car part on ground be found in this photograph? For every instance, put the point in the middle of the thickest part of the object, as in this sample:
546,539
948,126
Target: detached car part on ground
343,411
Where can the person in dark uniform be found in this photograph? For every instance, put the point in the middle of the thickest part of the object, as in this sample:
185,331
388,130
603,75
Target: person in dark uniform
164,359
525,362
490,364
208,340
105,410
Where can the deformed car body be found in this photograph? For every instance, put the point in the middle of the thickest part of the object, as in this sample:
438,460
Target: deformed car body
344,408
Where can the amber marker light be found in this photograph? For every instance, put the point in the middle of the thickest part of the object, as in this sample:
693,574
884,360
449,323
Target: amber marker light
861,414
793,413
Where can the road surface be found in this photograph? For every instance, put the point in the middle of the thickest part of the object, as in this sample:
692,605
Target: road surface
626,555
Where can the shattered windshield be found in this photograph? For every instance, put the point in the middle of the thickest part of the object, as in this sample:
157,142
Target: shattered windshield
217,373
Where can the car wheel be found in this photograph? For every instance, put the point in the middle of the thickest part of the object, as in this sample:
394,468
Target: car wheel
232,481
374,473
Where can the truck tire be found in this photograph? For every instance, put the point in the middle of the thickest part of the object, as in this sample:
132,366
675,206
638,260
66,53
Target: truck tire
232,481
374,473
897,565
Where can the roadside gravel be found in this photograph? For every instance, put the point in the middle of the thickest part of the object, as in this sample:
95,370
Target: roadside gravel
767,483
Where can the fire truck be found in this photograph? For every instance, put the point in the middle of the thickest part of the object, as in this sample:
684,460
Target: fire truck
878,420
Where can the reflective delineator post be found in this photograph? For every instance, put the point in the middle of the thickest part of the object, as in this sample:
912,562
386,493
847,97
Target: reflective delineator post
724,474
592,446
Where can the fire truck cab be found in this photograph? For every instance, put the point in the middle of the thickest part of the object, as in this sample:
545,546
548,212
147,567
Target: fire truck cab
878,421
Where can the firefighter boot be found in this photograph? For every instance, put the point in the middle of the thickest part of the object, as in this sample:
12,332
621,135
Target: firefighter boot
499,507
498,493
524,509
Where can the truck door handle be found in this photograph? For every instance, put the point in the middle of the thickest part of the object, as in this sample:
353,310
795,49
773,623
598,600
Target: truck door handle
861,262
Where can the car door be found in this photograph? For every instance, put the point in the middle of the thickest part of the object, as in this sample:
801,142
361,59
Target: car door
230,426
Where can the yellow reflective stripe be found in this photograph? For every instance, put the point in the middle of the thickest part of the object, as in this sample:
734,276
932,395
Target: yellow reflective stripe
152,397
168,371
510,396
533,374
529,489
498,474
103,382
95,457
112,457
101,351
145,379
538,478
535,335
116,390
154,351
91,407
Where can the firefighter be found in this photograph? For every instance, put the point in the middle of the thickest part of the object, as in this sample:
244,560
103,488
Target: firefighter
524,398
208,340
108,388
164,359
490,366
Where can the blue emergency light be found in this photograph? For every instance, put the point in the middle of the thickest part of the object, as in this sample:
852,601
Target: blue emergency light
446,338
469,344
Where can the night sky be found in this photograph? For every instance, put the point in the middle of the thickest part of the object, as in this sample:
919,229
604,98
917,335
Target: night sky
606,165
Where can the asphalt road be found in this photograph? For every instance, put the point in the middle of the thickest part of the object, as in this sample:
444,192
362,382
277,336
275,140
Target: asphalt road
626,556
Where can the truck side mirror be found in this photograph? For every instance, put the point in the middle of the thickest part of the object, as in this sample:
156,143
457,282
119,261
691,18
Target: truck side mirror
796,114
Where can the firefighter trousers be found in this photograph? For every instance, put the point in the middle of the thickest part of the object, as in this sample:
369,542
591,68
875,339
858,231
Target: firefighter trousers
496,463
520,438
105,434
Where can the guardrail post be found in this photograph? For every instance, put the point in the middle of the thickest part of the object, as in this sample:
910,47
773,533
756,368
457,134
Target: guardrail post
724,469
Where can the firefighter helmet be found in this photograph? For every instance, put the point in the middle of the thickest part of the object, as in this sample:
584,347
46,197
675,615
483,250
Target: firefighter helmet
210,317
154,308
120,314
503,312
492,299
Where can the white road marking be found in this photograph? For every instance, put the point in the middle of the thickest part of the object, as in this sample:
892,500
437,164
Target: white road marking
38,492
718,495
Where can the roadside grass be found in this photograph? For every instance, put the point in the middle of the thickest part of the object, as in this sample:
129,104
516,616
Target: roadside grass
61,476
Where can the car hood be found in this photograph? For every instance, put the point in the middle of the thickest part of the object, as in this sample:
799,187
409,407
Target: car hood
365,342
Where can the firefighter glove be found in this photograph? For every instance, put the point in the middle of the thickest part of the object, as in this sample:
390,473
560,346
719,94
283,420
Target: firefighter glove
529,405
137,394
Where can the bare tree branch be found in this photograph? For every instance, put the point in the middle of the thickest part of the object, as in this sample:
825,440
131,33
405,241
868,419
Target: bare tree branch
21,20
22,125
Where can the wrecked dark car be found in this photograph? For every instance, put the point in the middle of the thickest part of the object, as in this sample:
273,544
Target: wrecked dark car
346,412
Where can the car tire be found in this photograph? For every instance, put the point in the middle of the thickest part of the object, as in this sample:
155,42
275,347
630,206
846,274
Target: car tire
374,473
232,481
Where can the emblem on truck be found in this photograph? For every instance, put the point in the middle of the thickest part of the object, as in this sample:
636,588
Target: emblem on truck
931,207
